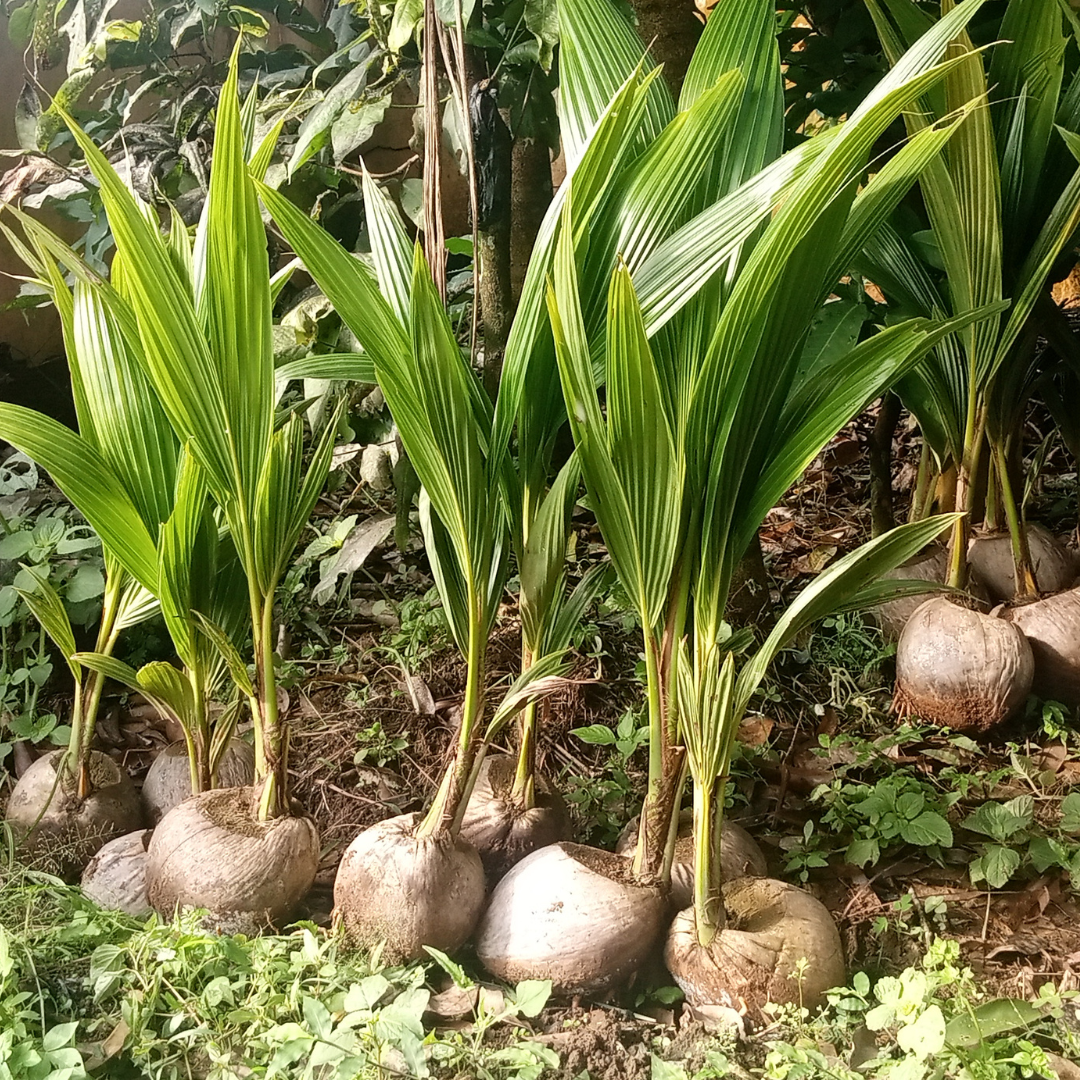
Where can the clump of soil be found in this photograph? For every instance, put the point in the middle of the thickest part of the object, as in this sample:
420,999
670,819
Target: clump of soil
600,1042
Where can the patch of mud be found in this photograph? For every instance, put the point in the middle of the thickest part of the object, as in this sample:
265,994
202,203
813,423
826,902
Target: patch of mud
601,1043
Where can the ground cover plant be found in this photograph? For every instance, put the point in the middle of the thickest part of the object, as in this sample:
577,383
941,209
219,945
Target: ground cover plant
65,552
840,894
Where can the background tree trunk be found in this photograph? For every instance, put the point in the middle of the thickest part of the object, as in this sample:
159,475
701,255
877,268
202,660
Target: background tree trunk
530,197
492,147
881,492
670,29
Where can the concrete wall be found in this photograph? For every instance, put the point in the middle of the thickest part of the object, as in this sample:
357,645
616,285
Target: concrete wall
32,337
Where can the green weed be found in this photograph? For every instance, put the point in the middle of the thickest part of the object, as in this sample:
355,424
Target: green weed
602,804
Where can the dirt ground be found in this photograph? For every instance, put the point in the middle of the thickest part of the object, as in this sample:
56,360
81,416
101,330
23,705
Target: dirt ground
1014,939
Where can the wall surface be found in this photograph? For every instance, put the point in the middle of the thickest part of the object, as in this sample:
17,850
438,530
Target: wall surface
32,337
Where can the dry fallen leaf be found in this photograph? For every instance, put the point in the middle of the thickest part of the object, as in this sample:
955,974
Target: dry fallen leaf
1052,757
344,453
1021,944
718,1018
114,1043
419,695
453,1003
755,730
1064,1070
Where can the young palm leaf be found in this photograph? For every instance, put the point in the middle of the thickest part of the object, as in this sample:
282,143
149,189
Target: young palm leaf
707,425
722,400
118,411
103,470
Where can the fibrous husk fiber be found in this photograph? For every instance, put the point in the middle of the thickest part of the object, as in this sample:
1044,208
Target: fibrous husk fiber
115,877
168,782
1052,627
209,852
740,856
408,892
991,558
780,944
56,831
960,668
503,832
574,915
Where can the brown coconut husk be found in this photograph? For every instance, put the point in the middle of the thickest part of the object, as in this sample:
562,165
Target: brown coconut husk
740,856
168,782
991,558
56,831
574,915
771,927
209,852
960,668
502,831
407,892
115,877
1052,628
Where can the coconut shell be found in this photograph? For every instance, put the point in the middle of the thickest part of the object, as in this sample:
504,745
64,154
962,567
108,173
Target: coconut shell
58,833
771,928
209,852
574,915
115,877
960,668
408,892
1052,628
168,782
929,565
991,558
740,856
501,831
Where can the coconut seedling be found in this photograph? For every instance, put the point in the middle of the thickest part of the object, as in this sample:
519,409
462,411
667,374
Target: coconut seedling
706,426
538,517
511,810
201,594
628,199
629,202
417,880
206,351
1002,205
753,939
118,471
202,599
197,567
412,881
